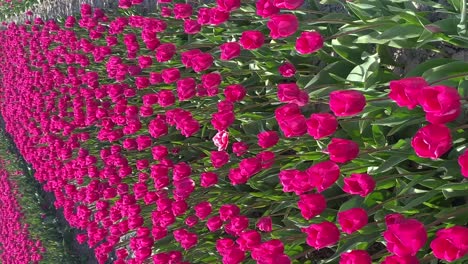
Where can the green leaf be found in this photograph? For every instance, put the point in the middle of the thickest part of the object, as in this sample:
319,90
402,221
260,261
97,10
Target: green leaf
379,137
269,195
390,163
432,183
312,156
283,205
292,249
411,122
340,68
398,117
361,73
401,32
356,201
416,180
421,68
447,26
348,50
456,4
385,184
420,199
347,244
457,70
454,189
463,88
386,55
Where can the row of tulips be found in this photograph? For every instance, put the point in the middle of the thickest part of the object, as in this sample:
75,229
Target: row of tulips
16,243
150,130
30,230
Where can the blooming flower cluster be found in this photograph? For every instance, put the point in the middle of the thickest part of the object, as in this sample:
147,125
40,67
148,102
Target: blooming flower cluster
441,105
16,244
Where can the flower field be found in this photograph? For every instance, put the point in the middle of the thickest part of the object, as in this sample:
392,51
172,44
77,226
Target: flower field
15,242
29,232
266,131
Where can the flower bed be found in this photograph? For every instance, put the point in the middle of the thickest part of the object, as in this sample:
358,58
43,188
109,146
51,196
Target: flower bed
257,132
15,241
30,232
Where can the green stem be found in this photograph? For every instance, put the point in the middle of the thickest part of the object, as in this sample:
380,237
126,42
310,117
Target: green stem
353,31
329,21
357,119
449,77
378,99
380,254
377,207
368,151
398,176
446,217
461,127
462,24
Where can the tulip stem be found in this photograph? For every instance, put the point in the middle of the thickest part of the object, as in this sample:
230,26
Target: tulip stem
379,254
353,169
303,254
357,119
427,259
353,31
446,217
375,208
399,175
449,77
378,99
308,11
462,25
330,21
461,127
368,151
338,196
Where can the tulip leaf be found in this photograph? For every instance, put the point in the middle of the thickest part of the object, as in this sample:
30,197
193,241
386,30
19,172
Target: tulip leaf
447,26
420,199
427,65
362,72
270,195
410,122
376,197
386,184
447,74
454,189
416,180
348,50
379,137
293,248
351,243
398,117
356,201
283,205
340,68
432,183
390,163
401,32
463,88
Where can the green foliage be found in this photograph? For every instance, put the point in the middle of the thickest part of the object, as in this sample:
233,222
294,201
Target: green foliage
15,7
